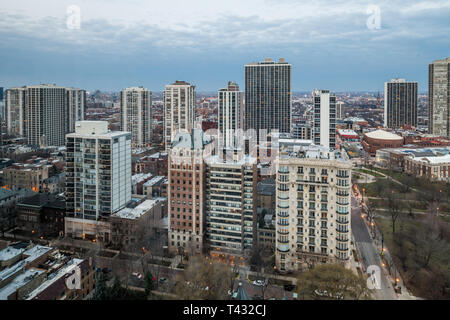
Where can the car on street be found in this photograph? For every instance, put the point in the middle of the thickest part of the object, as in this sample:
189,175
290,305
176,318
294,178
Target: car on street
258,283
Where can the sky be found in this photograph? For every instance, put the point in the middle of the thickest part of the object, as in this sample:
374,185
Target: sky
337,45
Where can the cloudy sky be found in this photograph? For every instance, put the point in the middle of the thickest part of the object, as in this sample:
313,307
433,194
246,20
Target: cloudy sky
337,45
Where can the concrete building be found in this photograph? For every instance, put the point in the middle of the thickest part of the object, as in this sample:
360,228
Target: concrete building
439,98
268,96
230,115
231,204
340,110
186,193
136,115
179,103
98,178
324,118
22,176
302,132
313,208
400,103
43,114
134,224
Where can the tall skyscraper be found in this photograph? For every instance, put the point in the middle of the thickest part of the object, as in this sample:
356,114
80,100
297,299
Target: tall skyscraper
230,114
317,229
179,103
98,178
231,204
340,110
136,115
43,114
268,96
15,111
400,103
2,105
186,192
324,118
75,104
439,98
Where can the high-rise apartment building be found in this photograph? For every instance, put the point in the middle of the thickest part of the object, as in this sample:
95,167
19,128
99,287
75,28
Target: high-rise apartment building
268,96
98,178
400,103
15,111
179,103
230,115
439,98
186,192
340,110
313,208
2,105
136,115
43,114
302,131
324,118
231,203
75,104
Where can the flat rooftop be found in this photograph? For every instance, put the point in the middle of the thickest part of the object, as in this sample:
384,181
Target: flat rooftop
136,212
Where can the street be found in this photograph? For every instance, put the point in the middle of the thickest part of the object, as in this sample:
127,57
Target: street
369,255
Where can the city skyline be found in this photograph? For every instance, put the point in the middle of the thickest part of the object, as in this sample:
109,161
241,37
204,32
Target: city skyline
331,45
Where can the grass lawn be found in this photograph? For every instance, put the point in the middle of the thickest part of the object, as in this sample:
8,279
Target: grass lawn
369,172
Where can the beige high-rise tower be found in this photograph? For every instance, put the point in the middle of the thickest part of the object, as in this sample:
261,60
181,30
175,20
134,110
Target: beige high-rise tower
179,103
439,98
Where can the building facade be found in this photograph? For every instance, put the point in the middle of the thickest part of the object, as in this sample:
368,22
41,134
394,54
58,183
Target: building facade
186,192
268,96
313,208
231,204
439,98
98,178
179,103
230,114
340,110
136,115
400,103
324,118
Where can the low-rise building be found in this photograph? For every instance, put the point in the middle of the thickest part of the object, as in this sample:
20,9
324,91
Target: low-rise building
434,168
20,176
380,139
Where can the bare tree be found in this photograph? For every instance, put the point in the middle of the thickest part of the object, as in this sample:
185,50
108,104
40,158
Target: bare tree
394,208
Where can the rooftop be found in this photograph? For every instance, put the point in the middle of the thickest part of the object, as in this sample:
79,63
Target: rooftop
136,212
383,135
153,181
19,281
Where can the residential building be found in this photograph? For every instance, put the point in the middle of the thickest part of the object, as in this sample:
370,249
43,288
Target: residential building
439,98
303,132
324,118
230,115
268,96
136,115
340,110
27,175
313,208
76,104
98,178
400,103
179,103
186,192
231,224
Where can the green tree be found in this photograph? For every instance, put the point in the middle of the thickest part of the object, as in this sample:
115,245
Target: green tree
332,282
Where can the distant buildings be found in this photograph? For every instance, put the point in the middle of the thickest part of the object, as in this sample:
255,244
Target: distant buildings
179,103
324,118
340,110
98,179
43,114
136,115
186,192
230,114
400,103
313,208
302,131
439,97
268,96
231,204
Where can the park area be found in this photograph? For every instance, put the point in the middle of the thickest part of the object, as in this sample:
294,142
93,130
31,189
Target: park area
413,214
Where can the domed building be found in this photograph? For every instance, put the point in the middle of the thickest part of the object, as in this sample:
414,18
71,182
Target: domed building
380,139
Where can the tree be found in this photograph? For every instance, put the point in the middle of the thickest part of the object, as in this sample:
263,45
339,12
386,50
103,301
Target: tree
149,282
101,290
332,282
393,208
204,279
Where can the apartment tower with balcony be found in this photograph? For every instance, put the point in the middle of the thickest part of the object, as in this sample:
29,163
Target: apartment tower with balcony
312,208
98,178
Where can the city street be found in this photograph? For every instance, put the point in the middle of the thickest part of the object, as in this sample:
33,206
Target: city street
368,253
